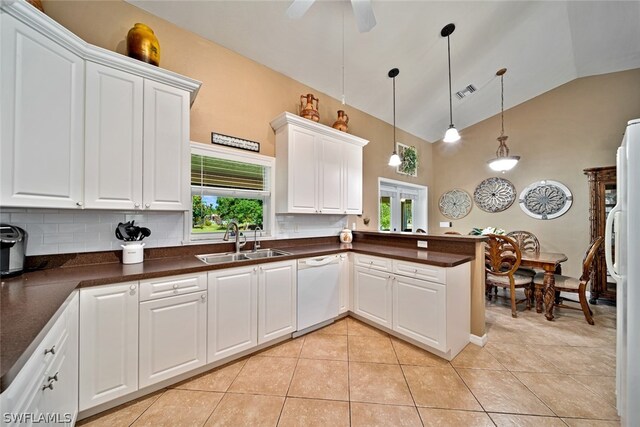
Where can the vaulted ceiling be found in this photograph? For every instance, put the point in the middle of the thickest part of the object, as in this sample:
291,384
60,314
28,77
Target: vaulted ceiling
543,44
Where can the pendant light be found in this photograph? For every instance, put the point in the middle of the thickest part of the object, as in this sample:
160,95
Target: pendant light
394,160
451,135
503,161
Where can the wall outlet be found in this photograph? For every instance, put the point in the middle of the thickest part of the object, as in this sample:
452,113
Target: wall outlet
422,243
295,228
445,224
353,225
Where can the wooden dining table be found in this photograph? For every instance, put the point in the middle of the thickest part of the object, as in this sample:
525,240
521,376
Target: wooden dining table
549,262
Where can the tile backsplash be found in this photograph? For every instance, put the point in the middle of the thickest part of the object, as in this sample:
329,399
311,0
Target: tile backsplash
54,231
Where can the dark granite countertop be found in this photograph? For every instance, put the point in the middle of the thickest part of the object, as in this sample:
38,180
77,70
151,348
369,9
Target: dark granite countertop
29,302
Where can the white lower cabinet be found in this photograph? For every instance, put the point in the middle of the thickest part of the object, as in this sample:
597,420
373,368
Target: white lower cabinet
173,336
108,343
345,283
45,391
372,295
233,312
419,311
426,303
276,300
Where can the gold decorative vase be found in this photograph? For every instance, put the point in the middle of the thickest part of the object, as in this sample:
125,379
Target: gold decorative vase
342,123
307,108
142,44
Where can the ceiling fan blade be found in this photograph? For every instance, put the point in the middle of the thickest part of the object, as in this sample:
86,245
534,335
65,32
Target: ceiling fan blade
364,15
298,8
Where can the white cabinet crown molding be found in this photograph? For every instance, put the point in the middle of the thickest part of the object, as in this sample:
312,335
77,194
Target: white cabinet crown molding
37,20
287,118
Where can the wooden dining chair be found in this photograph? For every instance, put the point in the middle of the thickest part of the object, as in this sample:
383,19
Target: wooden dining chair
501,261
527,242
579,286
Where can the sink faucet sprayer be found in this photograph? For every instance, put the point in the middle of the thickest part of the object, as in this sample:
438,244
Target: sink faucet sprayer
256,242
234,225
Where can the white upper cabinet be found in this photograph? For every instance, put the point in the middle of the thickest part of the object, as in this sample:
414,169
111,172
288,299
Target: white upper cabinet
137,142
120,141
113,147
319,168
42,120
352,158
166,147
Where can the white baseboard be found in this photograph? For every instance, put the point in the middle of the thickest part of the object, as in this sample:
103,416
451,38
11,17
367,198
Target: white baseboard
479,341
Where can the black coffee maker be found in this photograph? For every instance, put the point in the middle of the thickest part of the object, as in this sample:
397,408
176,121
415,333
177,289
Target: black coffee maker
13,247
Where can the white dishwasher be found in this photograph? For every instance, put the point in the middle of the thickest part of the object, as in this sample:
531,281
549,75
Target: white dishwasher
318,291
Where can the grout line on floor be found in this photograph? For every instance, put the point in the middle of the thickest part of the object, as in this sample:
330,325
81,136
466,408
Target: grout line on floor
406,382
164,390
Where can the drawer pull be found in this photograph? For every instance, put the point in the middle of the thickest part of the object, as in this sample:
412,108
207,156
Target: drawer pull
203,297
175,286
54,377
415,271
132,287
48,386
51,350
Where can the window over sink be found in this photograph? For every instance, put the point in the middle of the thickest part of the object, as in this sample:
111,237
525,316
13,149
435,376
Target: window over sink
226,186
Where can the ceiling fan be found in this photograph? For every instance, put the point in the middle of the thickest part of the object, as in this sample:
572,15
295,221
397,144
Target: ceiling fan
361,9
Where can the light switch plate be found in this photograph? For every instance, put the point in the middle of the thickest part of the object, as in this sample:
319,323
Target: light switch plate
445,224
422,243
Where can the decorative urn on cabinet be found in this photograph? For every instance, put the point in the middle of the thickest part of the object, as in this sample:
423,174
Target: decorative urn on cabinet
342,122
142,44
307,108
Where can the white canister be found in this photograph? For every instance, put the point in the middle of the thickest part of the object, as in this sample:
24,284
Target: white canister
132,252
346,236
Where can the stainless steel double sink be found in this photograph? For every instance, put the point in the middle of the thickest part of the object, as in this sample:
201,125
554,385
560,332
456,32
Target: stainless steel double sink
241,256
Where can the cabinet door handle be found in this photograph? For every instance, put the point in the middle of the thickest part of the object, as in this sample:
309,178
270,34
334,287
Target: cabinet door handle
203,297
147,205
51,350
53,378
79,204
48,386
136,205
255,269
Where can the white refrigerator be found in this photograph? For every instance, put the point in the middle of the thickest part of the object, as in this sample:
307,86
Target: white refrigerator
623,264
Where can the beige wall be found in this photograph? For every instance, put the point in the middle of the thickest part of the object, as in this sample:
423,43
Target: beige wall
238,97
557,134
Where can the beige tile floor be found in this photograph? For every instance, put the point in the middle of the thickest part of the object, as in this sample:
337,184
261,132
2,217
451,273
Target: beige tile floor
531,373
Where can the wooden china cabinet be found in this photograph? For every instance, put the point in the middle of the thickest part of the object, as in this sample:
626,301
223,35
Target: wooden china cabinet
602,190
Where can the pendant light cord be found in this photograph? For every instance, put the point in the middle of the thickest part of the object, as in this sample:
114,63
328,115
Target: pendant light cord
502,105
394,114
450,102
343,95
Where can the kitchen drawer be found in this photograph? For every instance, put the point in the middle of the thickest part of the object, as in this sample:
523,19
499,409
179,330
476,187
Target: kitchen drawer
420,271
368,261
24,394
170,286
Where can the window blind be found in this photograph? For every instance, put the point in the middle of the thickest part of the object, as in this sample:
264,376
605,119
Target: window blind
221,176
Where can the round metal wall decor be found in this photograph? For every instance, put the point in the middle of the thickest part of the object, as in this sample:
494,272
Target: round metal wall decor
494,194
545,199
455,204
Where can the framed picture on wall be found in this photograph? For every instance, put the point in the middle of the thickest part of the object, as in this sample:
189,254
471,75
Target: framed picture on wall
409,156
